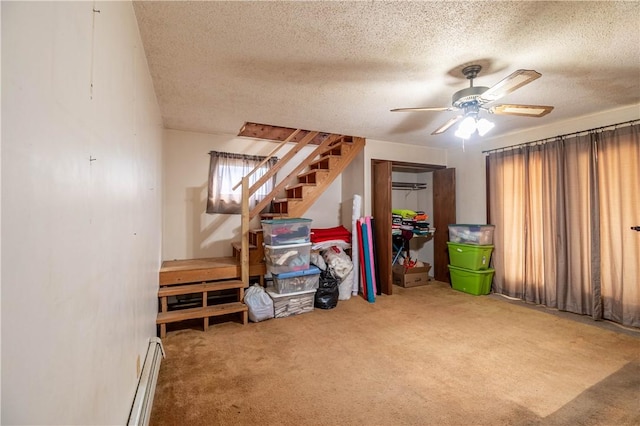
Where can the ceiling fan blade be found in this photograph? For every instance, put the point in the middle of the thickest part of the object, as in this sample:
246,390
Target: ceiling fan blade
424,109
510,83
446,125
522,110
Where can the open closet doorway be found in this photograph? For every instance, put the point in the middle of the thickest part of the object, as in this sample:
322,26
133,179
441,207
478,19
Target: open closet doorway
443,213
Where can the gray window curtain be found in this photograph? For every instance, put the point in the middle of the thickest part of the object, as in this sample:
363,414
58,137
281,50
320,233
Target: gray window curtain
227,169
563,212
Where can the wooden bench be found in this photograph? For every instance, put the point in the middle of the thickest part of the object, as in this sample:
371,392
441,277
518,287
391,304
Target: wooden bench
205,311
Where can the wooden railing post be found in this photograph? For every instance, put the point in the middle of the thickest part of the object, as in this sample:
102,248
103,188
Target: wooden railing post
244,255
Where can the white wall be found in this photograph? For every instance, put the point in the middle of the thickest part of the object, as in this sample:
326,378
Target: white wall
81,238
188,231
352,184
470,162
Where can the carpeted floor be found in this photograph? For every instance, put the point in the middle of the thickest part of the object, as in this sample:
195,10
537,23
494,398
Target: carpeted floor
424,356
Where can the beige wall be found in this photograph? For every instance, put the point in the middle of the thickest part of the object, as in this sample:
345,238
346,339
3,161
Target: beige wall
352,184
470,162
189,232
80,238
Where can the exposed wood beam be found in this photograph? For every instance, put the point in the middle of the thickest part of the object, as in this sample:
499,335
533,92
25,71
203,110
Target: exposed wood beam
277,133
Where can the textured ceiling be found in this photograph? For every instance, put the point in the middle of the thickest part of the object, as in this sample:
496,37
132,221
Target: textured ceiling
341,66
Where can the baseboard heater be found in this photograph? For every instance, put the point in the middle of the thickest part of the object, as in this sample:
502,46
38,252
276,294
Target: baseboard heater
143,401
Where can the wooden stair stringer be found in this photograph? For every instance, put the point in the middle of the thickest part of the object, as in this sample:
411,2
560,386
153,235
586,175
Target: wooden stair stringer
323,147
312,192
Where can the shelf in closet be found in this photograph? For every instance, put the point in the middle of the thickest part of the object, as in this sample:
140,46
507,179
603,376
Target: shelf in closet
409,186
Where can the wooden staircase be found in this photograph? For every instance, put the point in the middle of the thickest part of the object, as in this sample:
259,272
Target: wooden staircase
256,247
217,285
211,284
316,177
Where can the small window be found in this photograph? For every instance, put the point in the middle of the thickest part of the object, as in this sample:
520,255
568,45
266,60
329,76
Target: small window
225,171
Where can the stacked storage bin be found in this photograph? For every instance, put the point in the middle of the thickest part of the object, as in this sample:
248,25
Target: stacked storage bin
287,252
470,248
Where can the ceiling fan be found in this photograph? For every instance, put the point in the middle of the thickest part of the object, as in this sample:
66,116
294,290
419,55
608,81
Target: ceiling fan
473,99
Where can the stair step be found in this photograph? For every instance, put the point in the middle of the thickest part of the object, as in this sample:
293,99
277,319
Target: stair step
256,253
186,271
284,200
201,312
280,206
346,140
256,237
272,215
338,149
237,245
298,191
326,162
299,185
313,176
199,288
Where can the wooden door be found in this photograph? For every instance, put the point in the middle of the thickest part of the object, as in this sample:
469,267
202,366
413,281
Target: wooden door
444,213
381,210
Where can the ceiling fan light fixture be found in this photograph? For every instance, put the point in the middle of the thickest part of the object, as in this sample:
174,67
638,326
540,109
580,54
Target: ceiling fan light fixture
470,125
473,99
462,135
466,128
483,125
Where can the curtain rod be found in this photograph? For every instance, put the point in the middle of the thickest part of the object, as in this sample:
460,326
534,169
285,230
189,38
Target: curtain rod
545,140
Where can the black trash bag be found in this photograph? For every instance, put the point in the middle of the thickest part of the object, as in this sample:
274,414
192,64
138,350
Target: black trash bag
327,292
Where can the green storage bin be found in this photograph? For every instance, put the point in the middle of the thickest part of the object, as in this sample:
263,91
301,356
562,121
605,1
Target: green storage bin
469,256
472,282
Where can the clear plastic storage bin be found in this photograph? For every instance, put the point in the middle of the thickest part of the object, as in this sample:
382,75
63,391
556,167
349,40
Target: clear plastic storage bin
278,232
471,234
290,282
285,305
288,258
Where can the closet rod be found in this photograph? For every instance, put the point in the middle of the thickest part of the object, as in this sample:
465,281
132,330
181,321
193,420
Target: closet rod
543,141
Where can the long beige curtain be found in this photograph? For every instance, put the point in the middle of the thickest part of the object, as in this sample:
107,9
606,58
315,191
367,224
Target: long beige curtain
563,212
619,186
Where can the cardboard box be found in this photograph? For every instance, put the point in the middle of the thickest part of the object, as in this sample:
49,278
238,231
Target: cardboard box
411,277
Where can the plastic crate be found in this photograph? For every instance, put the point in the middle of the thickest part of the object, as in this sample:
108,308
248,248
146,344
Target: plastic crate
285,305
471,234
472,282
286,231
288,258
291,282
469,256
